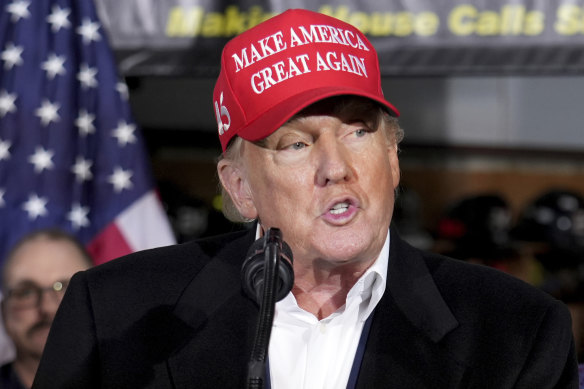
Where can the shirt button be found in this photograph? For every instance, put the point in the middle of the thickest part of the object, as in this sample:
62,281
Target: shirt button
322,328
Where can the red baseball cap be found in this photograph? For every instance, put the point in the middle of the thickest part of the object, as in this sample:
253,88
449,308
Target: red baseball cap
275,69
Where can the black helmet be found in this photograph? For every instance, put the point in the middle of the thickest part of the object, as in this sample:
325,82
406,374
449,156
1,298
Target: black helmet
478,227
555,219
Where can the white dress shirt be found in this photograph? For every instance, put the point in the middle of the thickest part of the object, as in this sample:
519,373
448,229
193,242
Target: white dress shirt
307,353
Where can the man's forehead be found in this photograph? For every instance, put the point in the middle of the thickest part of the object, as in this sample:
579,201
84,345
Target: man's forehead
43,259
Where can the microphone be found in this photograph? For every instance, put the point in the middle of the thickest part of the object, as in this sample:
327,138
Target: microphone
267,277
253,270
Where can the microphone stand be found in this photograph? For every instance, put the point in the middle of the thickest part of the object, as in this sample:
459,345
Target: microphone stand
257,365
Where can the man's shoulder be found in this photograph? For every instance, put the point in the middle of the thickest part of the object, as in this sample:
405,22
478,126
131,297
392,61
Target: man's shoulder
166,268
174,257
469,285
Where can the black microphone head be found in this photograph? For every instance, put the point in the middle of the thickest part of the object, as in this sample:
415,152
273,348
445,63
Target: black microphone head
253,268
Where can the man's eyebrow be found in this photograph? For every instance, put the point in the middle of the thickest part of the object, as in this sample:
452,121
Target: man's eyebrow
24,282
261,143
28,281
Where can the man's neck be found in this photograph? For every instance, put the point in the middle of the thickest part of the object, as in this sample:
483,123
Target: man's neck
323,292
26,368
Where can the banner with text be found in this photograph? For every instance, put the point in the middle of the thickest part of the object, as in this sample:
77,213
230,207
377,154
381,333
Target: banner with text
412,37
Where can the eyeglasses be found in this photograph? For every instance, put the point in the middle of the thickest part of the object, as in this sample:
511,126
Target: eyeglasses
30,295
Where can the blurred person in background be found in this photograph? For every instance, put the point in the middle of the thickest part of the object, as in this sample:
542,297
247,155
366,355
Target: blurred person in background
35,276
478,229
550,229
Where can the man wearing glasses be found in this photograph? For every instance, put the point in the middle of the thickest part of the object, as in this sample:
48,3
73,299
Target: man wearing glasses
34,279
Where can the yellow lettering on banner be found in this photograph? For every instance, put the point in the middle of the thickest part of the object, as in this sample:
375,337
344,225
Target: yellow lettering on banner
569,20
213,25
512,19
404,24
381,24
375,24
184,22
534,23
235,21
193,21
426,24
360,20
488,24
461,20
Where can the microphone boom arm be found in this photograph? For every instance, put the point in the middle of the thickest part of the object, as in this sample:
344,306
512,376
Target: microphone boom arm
267,297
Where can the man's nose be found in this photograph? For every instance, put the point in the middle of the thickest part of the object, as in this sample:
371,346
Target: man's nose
334,162
49,302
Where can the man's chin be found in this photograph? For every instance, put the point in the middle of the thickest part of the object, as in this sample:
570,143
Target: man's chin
38,338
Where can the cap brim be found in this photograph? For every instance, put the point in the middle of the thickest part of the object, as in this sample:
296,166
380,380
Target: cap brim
272,119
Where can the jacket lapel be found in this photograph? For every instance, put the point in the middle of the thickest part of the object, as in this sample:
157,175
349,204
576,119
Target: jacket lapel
411,319
219,323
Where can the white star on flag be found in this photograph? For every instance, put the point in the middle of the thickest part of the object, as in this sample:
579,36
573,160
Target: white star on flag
78,216
120,179
4,149
122,89
42,159
54,65
12,56
18,9
85,122
124,132
89,31
48,112
2,203
59,18
86,76
35,206
7,102
82,169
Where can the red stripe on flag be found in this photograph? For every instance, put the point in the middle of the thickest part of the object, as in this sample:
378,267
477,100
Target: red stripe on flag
108,244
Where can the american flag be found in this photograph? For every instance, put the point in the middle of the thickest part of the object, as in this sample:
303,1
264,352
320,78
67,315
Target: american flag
70,153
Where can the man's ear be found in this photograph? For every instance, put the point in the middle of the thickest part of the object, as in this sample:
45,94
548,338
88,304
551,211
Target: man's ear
234,180
393,151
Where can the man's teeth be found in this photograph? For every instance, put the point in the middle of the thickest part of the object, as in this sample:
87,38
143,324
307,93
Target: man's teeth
339,208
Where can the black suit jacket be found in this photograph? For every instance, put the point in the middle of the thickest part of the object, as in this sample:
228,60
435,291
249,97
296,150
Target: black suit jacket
176,317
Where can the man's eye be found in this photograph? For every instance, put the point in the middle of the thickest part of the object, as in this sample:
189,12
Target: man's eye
361,132
23,293
297,146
